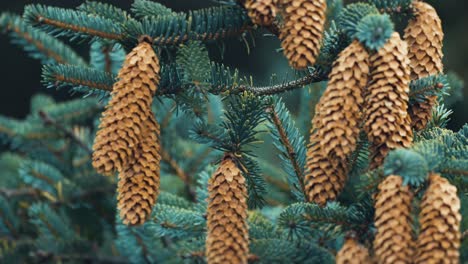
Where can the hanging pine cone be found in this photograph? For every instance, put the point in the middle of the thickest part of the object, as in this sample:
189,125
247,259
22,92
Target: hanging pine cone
338,114
302,31
424,36
336,125
228,238
393,242
323,181
122,123
439,238
262,12
138,185
353,253
387,122
128,137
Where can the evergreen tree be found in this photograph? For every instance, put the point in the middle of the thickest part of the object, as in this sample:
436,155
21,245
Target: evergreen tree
164,158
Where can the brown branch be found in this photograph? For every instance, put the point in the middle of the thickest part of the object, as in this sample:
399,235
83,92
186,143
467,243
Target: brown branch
40,46
79,29
458,172
69,134
426,89
292,155
11,193
80,82
278,183
317,75
163,40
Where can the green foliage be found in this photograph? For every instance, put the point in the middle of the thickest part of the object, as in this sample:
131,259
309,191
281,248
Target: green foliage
440,116
374,30
402,162
42,176
176,222
8,221
428,86
137,246
150,9
82,79
436,150
204,24
334,41
283,251
106,57
63,22
38,44
104,10
194,62
349,18
393,6
54,207
455,92
291,146
54,232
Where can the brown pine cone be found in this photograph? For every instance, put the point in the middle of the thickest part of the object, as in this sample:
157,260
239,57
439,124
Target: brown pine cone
338,115
439,238
353,253
120,131
227,240
138,186
393,242
424,36
323,181
262,12
387,122
302,31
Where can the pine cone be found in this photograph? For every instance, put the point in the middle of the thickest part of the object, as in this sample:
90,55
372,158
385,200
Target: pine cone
353,253
138,186
338,115
228,238
302,31
424,36
323,181
120,131
439,238
387,122
262,12
393,242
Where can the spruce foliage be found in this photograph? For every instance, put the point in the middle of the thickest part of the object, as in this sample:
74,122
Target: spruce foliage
56,208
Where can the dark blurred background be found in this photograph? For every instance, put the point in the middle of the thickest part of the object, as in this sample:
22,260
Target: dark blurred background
21,74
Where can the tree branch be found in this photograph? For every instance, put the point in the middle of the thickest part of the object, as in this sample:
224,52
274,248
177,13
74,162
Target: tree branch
292,155
69,134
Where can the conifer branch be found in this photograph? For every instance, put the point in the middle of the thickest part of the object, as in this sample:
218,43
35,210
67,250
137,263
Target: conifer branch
38,44
315,75
11,193
72,23
69,134
67,75
289,148
78,29
225,33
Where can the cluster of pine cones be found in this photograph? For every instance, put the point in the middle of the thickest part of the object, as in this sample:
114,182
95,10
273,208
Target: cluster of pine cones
369,91
366,91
